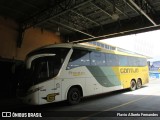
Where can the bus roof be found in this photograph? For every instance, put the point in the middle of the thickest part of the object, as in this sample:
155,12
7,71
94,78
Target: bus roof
88,47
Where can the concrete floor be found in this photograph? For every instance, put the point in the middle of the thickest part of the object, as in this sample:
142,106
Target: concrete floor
106,106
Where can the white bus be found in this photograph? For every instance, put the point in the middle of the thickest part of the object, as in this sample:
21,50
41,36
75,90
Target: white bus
71,71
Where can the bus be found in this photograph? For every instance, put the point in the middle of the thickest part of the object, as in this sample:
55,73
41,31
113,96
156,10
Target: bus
154,69
71,71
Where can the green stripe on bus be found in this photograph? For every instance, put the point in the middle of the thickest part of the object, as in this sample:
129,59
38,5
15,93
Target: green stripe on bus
104,76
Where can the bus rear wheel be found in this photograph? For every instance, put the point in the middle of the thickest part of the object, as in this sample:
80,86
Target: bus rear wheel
133,85
74,96
139,84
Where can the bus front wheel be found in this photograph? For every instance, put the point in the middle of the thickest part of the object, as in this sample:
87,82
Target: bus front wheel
133,85
74,96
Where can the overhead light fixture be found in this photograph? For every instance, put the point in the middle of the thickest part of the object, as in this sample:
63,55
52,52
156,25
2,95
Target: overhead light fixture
115,16
58,32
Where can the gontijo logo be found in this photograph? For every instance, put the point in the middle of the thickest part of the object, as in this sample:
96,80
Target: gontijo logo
129,70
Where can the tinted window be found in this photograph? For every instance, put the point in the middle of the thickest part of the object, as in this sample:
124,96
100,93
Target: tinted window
111,60
133,61
142,62
93,58
123,60
130,61
44,68
97,58
79,58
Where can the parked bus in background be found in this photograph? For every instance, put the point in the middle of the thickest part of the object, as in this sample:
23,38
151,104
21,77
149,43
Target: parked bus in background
72,71
154,69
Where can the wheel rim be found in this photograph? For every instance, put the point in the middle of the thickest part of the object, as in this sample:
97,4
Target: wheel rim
75,96
133,84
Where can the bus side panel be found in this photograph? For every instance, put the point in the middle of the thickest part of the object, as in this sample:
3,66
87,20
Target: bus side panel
133,73
83,77
92,86
50,91
106,77
145,72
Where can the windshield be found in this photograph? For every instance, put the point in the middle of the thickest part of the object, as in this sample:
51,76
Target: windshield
43,68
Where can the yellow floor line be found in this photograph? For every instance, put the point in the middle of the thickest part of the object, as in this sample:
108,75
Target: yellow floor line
91,115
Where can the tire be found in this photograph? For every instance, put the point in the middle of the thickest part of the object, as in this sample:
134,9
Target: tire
139,84
133,85
74,96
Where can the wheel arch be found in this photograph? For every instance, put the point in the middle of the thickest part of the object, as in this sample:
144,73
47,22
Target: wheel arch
140,80
134,80
75,86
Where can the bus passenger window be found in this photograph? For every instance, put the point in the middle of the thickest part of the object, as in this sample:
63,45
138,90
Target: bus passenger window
123,61
112,60
97,59
79,58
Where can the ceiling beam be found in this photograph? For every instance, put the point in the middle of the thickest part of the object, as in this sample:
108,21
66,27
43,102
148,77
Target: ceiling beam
101,9
85,17
123,33
50,26
142,12
52,12
71,22
108,29
117,8
71,28
130,6
145,5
